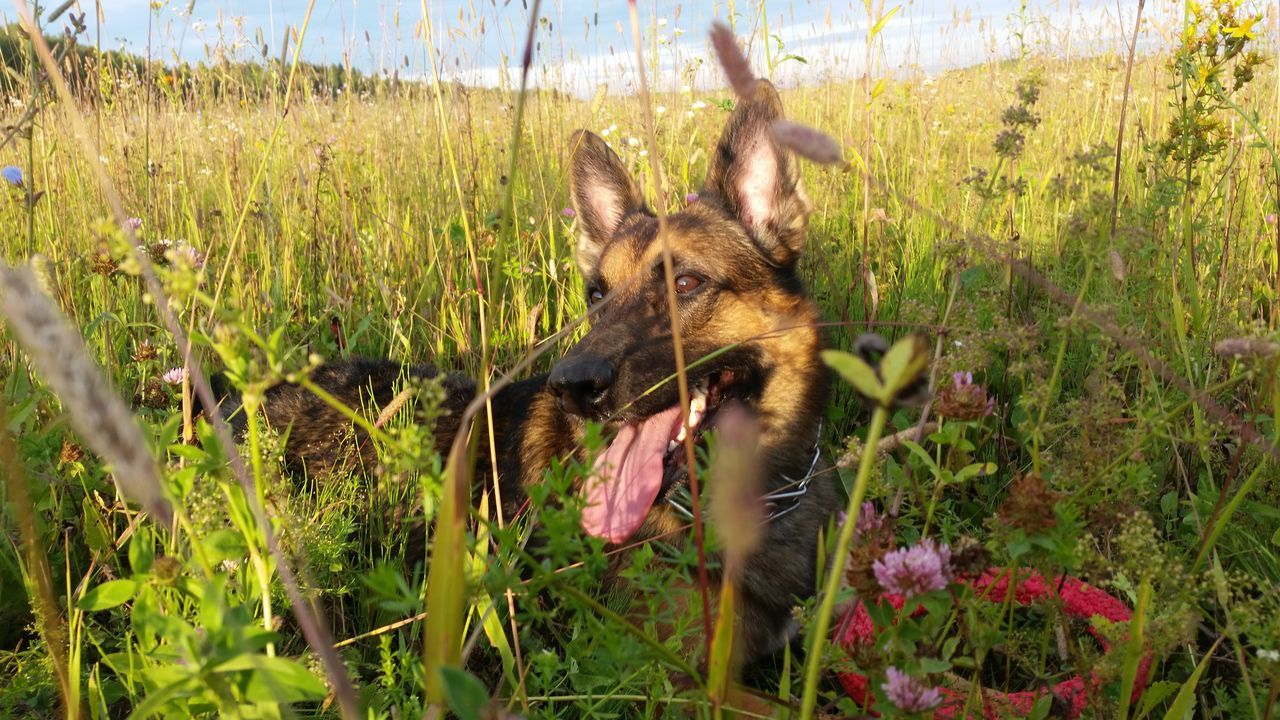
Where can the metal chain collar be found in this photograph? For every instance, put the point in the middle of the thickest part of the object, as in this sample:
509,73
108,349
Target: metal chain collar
777,503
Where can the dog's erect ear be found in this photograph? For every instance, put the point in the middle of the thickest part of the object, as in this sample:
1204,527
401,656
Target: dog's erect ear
602,192
756,181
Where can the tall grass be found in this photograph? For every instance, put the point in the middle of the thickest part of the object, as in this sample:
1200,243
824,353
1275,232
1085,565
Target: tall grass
423,221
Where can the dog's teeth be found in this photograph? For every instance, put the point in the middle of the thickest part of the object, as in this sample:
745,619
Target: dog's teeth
671,446
680,436
697,404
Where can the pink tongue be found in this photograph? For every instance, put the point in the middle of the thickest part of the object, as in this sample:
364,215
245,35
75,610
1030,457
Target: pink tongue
627,477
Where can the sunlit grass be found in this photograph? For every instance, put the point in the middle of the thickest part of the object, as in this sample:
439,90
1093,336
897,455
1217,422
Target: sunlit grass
356,242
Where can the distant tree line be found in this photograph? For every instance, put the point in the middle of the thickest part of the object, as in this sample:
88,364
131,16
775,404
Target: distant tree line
95,76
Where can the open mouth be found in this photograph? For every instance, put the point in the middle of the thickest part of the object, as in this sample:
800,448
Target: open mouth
646,459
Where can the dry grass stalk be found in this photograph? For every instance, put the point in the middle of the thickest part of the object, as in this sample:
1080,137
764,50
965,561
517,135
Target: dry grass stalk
44,605
93,408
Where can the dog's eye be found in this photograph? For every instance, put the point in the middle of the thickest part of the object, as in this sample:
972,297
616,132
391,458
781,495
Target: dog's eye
687,283
594,296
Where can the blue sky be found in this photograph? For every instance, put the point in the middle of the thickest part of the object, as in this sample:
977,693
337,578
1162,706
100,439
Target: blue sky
586,43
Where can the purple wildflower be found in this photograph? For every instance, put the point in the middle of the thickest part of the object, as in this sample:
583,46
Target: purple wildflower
869,521
174,376
1271,219
921,568
133,223
12,174
691,198
188,254
909,694
569,212
965,400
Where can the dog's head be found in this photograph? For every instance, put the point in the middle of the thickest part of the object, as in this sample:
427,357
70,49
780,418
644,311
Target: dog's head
746,325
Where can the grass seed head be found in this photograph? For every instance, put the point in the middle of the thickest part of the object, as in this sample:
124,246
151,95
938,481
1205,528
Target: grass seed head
736,508
736,66
95,411
1248,348
808,142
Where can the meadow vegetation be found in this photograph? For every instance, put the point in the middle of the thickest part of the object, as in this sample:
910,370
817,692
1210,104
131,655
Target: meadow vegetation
1104,335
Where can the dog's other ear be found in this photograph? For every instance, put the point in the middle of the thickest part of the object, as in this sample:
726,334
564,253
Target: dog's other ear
756,181
602,192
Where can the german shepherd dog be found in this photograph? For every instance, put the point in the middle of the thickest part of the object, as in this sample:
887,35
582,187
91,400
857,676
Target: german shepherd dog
734,254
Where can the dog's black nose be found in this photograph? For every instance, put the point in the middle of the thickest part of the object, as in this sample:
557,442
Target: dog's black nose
581,384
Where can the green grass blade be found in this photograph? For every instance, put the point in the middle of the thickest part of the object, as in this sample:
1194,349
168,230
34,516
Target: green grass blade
1185,701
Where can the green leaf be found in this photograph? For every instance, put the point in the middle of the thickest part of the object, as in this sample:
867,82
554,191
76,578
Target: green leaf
224,544
1155,694
95,533
464,692
1185,702
855,371
923,454
142,550
974,470
1040,709
875,29
903,364
155,701
1134,648
108,595
1018,545
274,679
949,647
934,665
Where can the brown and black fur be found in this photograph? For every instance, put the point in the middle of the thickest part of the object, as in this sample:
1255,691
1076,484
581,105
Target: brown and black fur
742,239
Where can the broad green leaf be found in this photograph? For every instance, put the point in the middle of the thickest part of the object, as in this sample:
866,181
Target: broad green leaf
224,544
878,90
464,692
95,533
274,679
155,701
974,470
923,454
855,371
903,364
142,550
108,595
1155,694
934,665
1040,709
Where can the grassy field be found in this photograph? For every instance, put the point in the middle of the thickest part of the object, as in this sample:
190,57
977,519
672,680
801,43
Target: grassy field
1131,349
